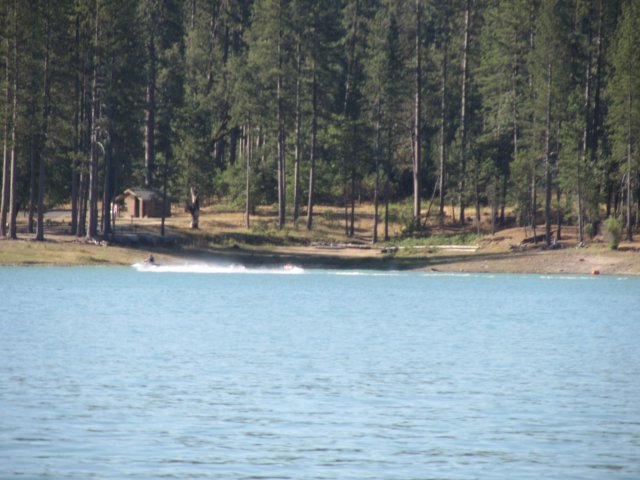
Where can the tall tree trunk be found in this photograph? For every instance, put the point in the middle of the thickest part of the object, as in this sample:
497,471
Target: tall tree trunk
150,111
352,216
559,214
13,194
534,203
249,160
494,203
580,211
92,232
387,187
83,189
386,210
85,148
351,59
350,116
443,133
532,121
515,113
166,205
77,103
503,199
312,159
597,85
547,162
629,225
345,201
298,129
107,193
584,147
417,138
281,140
378,155
463,112
34,155
4,208
194,208
281,169
93,168
45,129
476,193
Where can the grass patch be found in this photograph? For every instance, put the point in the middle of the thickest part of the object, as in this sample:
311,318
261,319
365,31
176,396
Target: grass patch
28,252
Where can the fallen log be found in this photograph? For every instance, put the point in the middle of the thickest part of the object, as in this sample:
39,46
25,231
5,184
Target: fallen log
537,238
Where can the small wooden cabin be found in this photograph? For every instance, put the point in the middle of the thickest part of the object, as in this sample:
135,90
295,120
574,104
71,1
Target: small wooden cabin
144,202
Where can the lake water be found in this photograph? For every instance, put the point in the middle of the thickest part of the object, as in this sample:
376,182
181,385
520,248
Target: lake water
222,373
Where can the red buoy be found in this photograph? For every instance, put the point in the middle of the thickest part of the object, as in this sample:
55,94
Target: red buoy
595,272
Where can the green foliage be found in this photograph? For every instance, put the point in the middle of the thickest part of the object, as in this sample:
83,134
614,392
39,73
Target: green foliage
231,185
624,118
591,230
411,228
403,213
225,69
613,232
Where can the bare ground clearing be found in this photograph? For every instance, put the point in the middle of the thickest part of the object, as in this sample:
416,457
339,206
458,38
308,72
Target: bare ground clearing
224,238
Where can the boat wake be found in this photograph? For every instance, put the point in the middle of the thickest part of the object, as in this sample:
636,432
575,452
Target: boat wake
212,268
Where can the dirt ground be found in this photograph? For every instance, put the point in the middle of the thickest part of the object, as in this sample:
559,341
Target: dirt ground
223,238
504,253
489,259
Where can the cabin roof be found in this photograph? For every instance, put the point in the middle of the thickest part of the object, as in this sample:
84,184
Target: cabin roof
142,193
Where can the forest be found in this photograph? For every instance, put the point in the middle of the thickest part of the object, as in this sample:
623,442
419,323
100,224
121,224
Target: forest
528,107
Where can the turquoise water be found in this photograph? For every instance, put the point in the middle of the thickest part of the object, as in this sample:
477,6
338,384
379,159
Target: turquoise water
223,373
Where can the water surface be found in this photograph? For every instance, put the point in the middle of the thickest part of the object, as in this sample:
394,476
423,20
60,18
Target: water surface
225,373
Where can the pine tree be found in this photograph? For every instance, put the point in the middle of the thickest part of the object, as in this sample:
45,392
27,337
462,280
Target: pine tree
164,46
417,114
16,87
469,8
502,98
443,44
116,86
582,128
83,16
298,25
321,35
503,76
46,114
6,115
625,101
385,79
269,49
206,133
551,86
151,11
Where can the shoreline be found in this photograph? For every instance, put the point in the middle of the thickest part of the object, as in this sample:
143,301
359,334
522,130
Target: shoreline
223,239
568,260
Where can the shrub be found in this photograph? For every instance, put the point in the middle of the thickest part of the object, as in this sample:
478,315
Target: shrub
613,231
591,230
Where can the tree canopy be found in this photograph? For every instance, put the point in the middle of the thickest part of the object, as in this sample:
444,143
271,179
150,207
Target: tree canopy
528,104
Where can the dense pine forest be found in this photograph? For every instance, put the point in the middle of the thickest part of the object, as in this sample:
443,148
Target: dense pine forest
528,107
